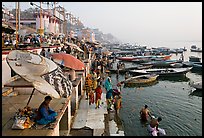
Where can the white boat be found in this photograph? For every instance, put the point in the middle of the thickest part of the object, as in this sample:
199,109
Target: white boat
161,71
197,85
194,48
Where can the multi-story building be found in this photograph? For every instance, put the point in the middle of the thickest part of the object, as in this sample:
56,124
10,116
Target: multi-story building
6,15
50,23
86,34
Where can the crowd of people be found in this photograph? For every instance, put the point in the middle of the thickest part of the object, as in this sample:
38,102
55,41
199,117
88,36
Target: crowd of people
98,77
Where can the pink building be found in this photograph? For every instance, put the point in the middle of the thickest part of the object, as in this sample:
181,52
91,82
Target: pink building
48,22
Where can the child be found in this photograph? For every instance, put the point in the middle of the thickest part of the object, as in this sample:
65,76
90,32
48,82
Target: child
98,92
91,97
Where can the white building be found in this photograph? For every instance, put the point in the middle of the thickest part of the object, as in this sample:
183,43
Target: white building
48,22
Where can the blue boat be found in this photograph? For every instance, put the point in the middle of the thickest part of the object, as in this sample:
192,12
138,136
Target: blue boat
197,65
194,62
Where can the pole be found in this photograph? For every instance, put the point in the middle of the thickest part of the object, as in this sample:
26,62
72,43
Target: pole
40,21
55,15
40,15
16,25
19,15
70,23
30,96
64,23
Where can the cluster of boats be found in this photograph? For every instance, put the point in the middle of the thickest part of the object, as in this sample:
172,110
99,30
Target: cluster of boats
149,67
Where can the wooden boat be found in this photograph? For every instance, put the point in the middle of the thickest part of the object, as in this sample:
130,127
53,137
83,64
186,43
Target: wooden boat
176,65
162,63
162,71
126,58
195,62
197,85
124,70
152,57
194,59
141,60
194,48
142,79
197,65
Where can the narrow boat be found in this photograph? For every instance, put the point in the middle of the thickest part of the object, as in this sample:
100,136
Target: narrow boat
162,71
126,58
142,79
194,59
162,57
197,66
159,63
124,70
197,85
195,62
194,48
176,65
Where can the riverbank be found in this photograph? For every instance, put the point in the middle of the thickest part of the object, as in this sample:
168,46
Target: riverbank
70,110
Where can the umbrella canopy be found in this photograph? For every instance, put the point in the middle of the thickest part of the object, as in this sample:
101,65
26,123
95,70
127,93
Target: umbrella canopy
68,60
74,46
31,67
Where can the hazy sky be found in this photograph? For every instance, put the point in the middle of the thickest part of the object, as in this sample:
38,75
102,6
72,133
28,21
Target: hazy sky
138,22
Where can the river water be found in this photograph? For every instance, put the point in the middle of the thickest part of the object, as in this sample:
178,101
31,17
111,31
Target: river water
171,98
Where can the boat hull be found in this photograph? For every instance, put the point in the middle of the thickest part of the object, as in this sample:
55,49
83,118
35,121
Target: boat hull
162,72
142,79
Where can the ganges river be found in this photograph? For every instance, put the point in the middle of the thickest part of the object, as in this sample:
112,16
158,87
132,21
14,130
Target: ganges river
179,105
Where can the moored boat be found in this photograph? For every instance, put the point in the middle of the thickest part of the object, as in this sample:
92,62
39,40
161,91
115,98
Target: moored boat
195,62
152,57
142,79
124,70
197,85
162,63
162,71
194,48
126,58
197,66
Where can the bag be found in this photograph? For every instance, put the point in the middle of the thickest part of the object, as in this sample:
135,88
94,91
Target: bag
19,123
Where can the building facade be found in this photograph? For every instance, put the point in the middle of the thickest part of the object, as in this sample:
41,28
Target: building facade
6,15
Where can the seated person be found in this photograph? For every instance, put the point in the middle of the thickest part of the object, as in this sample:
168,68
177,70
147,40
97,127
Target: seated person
45,114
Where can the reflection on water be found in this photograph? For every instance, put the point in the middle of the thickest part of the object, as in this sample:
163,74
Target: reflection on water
181,78
199,72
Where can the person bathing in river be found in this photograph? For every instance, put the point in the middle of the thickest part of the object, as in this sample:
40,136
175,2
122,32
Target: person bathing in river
144,113
153,127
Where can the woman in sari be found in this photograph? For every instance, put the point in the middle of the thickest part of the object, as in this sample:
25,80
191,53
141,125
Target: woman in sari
109,91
